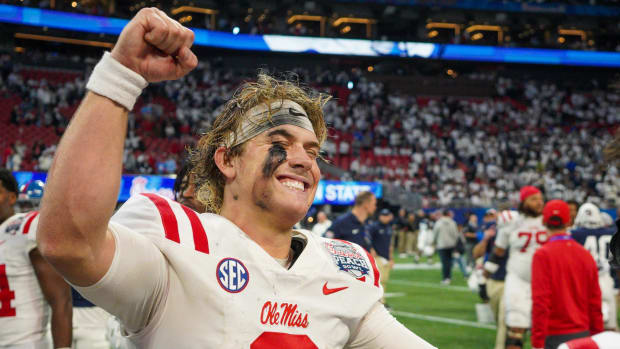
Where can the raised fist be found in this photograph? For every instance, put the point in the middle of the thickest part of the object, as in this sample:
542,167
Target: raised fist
155,46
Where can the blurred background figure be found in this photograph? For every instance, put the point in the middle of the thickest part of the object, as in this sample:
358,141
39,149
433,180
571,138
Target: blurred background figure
446,236
470,232
381,235
401,224
594,234
566,297
352,226
493,286
322,223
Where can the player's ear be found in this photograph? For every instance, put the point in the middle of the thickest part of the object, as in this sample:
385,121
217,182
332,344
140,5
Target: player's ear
225,163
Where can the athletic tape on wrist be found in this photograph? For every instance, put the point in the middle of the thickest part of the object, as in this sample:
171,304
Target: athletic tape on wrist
117,82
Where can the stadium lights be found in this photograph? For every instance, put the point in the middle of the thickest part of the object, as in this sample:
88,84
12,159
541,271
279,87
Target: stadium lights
64,40
442,25
432,34
321,19
235,30
185,19
74,4
483,27
353,20
192,9
350,85
477,36
574,32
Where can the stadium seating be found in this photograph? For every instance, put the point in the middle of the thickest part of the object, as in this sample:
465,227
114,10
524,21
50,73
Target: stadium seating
448,151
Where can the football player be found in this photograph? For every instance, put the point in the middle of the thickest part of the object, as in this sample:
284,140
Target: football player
238,276
29,287
591,232
521,233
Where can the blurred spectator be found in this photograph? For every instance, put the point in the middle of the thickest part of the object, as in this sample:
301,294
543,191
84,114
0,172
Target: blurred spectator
446,236
352,226
322,223
566,298
381,235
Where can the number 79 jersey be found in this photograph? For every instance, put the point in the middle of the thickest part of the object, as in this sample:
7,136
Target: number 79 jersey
522,236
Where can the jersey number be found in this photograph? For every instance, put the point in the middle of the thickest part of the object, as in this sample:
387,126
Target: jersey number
600,249
6,295
528,237
277,340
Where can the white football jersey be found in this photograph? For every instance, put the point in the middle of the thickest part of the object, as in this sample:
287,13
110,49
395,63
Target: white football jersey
185,280
24,312
521,236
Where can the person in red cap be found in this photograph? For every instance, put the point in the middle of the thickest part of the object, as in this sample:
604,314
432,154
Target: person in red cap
520,234
566,298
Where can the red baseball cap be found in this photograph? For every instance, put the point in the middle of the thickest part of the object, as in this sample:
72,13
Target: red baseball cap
556,213
528,191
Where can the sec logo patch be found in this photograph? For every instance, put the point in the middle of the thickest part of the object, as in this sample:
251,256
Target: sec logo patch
232,275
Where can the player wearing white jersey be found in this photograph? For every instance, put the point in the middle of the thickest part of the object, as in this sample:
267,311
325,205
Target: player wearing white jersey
29,287
521,234
238,277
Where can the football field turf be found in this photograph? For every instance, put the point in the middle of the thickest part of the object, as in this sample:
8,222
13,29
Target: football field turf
443,315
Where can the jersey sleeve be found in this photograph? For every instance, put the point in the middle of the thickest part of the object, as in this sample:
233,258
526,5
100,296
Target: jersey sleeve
29,228
379,329
134,287
505,223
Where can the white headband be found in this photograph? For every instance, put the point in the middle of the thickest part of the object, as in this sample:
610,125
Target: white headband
257,120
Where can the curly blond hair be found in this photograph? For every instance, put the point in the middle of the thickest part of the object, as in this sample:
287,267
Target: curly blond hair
209,180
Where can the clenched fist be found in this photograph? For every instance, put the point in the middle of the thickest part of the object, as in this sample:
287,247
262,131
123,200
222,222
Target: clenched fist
155,46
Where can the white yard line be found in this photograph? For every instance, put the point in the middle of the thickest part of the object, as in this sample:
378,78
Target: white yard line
393,294
417,266
430,285
444,320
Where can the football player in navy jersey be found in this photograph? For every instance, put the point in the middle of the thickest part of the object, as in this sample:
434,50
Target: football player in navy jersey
591,232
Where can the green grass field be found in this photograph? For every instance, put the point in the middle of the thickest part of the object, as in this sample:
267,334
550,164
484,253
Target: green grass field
443,315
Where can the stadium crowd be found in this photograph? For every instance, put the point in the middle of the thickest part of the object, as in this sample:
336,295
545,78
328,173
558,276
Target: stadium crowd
446,150
449,151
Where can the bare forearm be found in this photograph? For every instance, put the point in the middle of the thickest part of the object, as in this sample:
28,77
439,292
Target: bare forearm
480,249
84,180
62,325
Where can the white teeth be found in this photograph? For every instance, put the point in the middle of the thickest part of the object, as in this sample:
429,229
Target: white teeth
294,184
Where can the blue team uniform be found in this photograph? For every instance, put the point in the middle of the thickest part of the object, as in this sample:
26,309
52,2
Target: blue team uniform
596,241
381,237
348,227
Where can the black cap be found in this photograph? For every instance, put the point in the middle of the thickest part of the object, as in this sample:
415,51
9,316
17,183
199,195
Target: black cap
385,212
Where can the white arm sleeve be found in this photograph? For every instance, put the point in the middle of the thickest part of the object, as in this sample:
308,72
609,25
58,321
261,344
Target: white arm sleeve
380,330
135,286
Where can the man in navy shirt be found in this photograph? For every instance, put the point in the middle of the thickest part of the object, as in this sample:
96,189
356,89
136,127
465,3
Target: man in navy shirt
381,236
352,226
494,286
590,232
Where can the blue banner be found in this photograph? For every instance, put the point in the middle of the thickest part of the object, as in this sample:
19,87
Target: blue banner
327,46
509,6
343,193
328,192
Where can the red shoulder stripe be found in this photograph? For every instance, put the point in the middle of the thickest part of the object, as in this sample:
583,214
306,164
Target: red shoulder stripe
375,270
509,214
31,217
201,242
171,226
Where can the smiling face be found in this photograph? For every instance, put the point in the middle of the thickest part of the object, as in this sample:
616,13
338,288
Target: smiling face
277,175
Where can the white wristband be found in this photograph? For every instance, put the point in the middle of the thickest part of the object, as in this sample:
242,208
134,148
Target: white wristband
117,82
491,267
